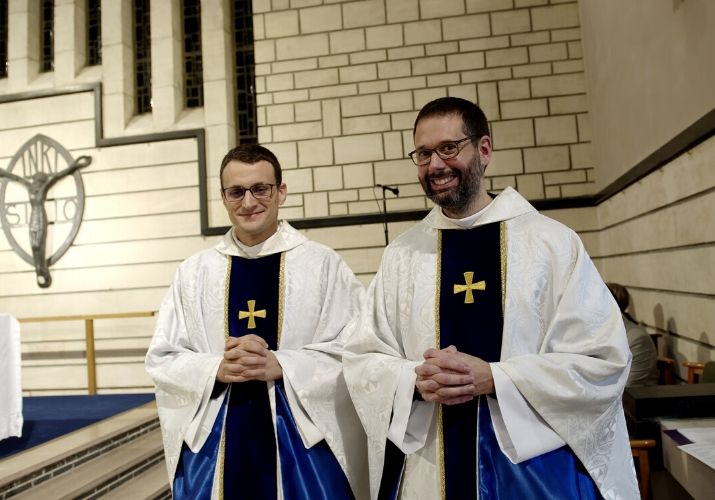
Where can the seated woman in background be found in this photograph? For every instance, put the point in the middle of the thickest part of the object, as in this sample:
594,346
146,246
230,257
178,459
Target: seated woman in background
644,369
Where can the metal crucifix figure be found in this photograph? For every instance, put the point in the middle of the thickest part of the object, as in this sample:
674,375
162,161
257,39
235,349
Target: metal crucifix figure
38,185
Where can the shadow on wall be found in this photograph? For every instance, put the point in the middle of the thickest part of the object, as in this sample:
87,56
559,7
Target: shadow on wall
668,348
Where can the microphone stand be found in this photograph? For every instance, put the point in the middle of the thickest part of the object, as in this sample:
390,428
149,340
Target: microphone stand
384,213
394,190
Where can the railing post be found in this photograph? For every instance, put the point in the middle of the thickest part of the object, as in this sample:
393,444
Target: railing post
91,362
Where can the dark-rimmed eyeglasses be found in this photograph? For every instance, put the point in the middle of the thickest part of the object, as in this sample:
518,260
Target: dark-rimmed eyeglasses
445,150
259,192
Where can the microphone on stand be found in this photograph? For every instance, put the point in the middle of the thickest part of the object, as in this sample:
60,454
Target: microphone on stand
394,190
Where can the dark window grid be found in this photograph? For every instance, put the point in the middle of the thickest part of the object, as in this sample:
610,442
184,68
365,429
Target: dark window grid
94,32
142,55
3,38
193,62
245,72
47,21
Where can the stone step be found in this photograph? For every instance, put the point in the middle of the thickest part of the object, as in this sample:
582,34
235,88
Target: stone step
152,484
96,477
88,462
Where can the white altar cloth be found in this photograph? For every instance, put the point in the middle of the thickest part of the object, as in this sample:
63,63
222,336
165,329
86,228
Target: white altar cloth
10,381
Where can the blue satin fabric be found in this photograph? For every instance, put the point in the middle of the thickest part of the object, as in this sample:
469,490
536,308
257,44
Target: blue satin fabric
307,474
554,475
195,472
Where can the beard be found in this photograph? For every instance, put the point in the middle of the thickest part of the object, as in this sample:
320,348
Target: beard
459,199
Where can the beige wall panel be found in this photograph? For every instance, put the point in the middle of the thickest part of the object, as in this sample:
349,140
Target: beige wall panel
64,376
91,279
121,373
346,237
132,155
690,222
140,179
690,316
155,226
685,176
363,260
122,333
666,270
162,201
72,136
640,111
591,242
118,253
578,219
48,110
83,303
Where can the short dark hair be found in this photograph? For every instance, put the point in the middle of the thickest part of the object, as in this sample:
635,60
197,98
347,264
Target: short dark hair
619,292
251,153
474,122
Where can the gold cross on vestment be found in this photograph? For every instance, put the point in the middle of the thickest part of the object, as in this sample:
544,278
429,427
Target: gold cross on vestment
469,286
251,314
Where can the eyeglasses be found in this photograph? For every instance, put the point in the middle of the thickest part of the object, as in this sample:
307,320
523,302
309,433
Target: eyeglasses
259,192
445,150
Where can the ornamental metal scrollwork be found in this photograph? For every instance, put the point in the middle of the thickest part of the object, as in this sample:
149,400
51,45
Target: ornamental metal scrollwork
38,166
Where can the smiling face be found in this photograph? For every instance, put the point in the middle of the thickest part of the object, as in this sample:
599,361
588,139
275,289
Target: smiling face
254,221
453,184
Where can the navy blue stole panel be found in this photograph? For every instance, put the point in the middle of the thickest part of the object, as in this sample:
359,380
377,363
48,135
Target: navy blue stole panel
249,469
471,319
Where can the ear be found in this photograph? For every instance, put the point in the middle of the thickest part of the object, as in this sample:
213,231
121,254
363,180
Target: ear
282,193
485,150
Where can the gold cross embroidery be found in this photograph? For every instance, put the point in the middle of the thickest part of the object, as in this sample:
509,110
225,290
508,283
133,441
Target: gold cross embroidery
251,314
469,286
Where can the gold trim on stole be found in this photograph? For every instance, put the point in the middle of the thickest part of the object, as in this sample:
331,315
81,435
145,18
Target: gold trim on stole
440,440
225,334
281,286
502,251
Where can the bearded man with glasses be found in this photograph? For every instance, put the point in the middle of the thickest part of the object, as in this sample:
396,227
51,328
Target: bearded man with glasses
246,357
490,357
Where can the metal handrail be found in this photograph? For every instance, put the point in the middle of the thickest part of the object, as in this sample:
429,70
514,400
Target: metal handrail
89,336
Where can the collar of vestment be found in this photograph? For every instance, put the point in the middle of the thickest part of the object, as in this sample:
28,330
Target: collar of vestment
507,205
284,239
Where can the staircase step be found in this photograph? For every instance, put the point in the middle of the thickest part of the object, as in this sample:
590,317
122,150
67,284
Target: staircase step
152,484
96,477
26,471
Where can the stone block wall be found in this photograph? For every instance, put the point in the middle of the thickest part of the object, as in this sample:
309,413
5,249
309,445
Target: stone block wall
340,84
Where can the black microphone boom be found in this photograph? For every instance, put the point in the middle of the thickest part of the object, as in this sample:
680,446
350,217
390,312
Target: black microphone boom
393,189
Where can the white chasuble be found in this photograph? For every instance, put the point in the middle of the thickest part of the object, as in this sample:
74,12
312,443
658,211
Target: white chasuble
320,297
563,364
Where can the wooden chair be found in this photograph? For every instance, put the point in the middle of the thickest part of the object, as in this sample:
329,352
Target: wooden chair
695,371
639,450
666,370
